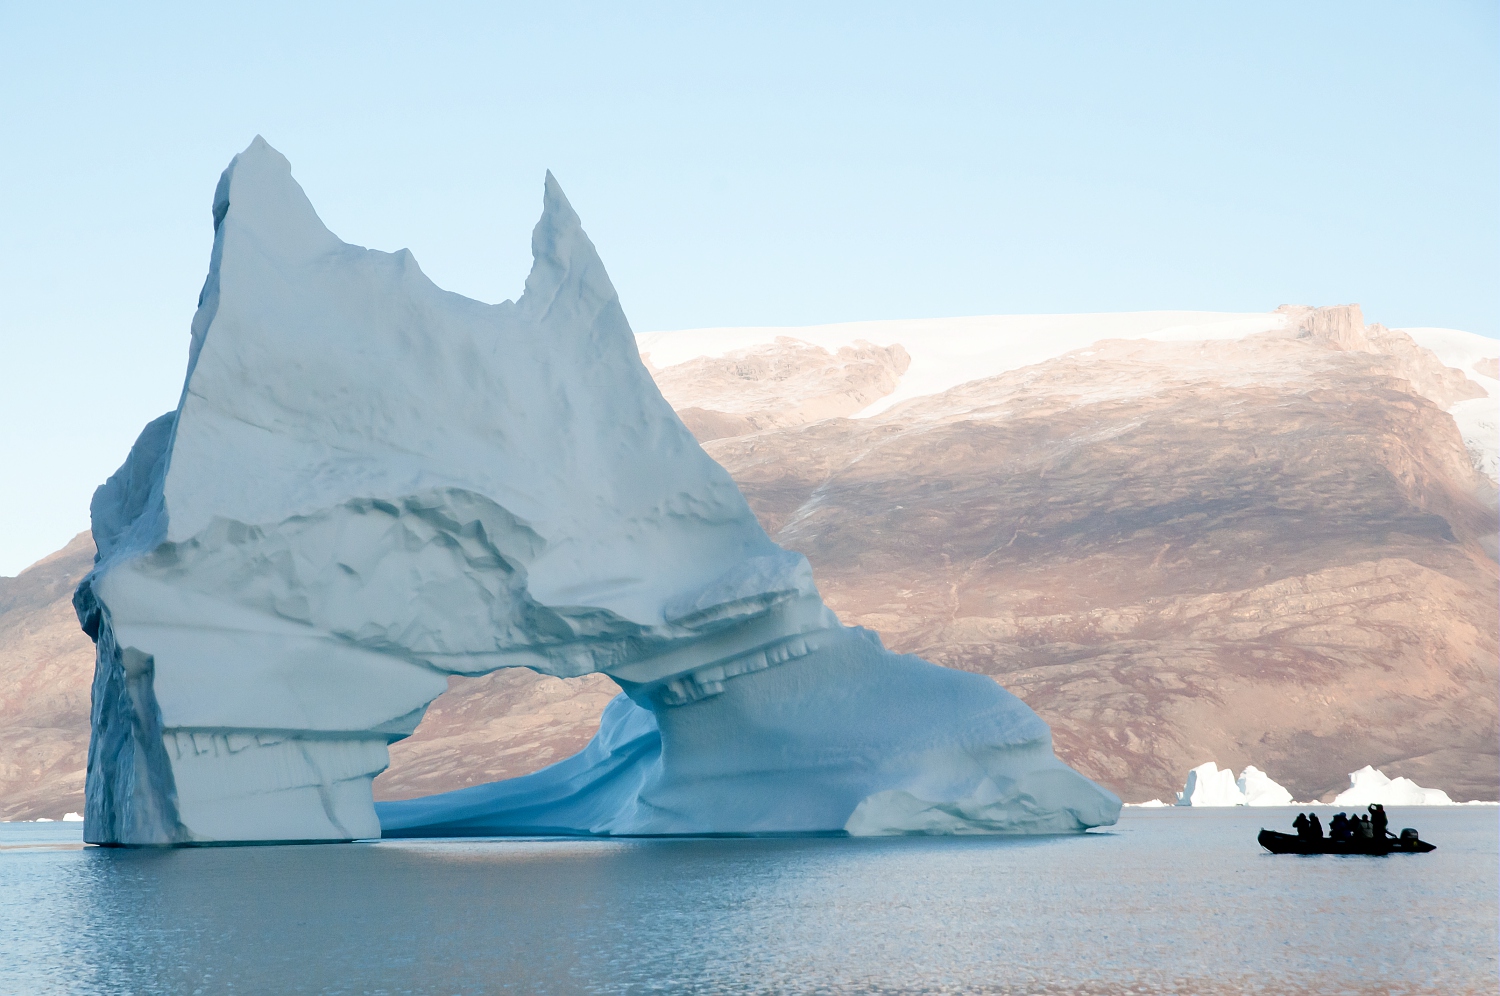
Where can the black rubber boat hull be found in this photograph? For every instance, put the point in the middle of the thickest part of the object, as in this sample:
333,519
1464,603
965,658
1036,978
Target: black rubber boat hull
1289,843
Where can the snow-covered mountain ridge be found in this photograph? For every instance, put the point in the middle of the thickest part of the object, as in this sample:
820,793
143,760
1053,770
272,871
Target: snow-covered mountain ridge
945,353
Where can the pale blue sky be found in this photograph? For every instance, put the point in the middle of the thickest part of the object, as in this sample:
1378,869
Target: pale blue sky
756,164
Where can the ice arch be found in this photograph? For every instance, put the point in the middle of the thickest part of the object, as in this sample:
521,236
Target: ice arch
370,483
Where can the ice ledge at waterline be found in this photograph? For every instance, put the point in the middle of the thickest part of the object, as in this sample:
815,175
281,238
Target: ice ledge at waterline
370,484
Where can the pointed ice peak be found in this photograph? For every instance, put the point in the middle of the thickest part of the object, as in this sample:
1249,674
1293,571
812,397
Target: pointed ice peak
258,191
270,217
257,147
562,254
555,210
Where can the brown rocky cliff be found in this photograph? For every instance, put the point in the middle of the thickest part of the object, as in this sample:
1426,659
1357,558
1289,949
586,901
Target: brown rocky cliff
1342,327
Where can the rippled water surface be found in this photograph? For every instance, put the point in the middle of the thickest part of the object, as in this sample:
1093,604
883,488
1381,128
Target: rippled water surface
1168,901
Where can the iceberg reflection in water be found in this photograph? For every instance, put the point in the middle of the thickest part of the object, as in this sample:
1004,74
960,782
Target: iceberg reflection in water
1171,900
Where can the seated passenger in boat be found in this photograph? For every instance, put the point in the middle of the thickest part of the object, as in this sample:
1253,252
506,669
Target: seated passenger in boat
1366,831
1314,826
1338,827
1300,824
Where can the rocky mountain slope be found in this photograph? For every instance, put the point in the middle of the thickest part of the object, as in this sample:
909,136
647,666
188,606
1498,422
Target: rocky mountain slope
46,668
1262,539
784,383
1260,551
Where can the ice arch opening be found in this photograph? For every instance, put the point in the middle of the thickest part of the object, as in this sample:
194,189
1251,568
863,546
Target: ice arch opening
370,484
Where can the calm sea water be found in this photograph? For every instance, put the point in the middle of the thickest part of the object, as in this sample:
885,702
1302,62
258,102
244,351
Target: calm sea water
1178,901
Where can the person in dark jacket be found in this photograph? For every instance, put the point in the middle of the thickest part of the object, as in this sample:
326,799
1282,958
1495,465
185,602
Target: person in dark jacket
1300,824
1314,826
1338,827
1378,820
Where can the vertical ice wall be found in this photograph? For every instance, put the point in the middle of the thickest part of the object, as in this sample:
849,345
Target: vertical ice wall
370,483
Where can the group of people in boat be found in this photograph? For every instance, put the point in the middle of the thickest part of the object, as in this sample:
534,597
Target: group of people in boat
1350,827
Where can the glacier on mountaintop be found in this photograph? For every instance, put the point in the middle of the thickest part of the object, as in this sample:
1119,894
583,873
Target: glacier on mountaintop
370,484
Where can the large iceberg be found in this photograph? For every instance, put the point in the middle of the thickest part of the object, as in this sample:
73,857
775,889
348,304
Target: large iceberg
1259,790
1207,785
1369,785
370,484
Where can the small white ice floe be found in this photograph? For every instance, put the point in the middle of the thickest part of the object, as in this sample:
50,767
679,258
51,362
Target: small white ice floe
72,818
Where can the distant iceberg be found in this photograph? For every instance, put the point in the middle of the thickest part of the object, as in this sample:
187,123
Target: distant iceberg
1367,785
1259,790
1208,785
370,484
72,818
